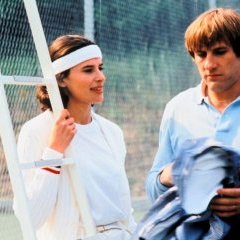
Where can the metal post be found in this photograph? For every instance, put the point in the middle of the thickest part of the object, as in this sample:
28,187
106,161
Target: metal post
212,3
10,150
89,19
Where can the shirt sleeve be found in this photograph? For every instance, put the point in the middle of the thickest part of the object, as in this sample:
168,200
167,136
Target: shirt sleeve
41,185
164,156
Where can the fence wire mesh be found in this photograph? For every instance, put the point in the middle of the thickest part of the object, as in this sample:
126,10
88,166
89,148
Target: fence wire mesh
145,63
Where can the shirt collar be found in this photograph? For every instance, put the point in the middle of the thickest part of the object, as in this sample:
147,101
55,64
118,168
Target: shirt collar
200,93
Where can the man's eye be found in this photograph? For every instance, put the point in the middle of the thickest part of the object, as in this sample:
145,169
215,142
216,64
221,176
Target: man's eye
220,52
201,54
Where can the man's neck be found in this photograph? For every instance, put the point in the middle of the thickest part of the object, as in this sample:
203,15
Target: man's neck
220,104
223,99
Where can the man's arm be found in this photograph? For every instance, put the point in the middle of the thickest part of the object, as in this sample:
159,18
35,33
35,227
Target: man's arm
164,156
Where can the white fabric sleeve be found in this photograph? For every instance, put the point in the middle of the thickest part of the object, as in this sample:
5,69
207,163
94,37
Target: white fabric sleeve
49,153
41,185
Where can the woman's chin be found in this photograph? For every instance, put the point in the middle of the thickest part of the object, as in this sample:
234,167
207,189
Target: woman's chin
100,101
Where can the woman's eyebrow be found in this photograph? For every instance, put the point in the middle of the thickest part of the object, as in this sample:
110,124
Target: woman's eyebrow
88,66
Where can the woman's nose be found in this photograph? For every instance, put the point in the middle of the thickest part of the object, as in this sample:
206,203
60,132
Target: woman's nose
100,76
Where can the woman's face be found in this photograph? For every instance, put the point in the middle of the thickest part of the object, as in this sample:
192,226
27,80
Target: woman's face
85,82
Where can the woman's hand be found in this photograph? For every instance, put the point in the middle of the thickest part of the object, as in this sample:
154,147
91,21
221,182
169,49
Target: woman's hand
62,132
227,203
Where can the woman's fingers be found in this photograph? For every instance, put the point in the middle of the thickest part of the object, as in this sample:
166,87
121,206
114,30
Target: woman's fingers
63,132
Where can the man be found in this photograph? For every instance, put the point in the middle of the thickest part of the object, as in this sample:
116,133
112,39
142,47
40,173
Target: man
212,109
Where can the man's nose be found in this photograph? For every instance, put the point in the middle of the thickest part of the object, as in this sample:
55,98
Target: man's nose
210,62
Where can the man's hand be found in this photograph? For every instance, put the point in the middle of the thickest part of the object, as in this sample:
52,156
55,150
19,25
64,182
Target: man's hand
165,176
227,203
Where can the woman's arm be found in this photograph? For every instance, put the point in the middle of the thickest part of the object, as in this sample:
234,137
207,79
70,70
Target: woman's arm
36,144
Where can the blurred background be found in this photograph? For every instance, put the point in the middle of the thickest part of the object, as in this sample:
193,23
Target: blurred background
144,59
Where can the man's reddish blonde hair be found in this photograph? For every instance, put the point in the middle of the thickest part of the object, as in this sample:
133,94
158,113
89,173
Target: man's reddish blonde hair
214,26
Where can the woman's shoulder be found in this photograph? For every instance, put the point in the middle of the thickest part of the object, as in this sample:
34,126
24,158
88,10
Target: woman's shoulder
39,123
106,122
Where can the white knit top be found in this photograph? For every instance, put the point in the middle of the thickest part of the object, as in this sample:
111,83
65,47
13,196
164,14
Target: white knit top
100,149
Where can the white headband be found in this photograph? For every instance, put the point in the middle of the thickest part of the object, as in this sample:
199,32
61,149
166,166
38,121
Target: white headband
74,58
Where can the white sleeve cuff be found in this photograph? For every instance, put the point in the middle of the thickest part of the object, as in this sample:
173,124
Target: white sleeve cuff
50,153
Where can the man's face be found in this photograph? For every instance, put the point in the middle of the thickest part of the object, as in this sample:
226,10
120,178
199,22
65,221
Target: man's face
219,68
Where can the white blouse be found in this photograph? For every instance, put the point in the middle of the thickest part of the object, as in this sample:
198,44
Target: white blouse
100,149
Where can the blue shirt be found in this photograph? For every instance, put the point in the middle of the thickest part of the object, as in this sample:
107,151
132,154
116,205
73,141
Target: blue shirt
189,116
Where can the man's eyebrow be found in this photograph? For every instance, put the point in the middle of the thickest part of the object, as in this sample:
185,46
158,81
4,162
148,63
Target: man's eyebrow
201,50
222,47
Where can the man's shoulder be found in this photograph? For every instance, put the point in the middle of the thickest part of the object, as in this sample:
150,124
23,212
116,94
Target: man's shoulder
187,96
184,100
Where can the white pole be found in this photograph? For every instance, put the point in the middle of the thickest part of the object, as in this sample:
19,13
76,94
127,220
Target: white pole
212,3
10,150
43,54
89,19
46,65
21,80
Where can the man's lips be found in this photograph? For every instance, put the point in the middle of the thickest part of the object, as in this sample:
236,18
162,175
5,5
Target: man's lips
213,76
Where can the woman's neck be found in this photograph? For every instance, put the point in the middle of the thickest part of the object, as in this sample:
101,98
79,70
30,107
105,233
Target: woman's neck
81,113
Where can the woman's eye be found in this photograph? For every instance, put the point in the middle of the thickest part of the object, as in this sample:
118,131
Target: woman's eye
89,70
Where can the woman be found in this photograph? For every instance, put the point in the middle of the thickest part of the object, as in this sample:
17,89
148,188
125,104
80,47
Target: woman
96,142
